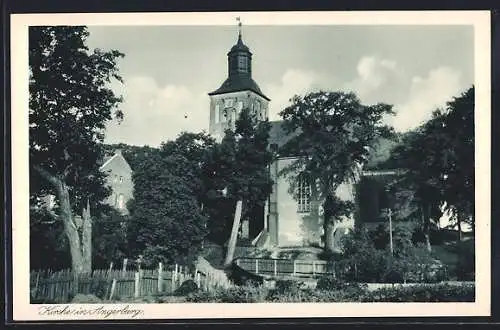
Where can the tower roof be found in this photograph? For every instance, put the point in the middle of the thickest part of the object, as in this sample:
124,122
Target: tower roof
239,84
239,46
239,77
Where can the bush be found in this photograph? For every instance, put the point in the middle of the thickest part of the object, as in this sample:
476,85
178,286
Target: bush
465,268
331,283
345,292
186,287
361,261
242,294
288,286
422,293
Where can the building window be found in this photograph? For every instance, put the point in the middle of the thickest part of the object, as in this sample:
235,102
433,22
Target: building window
217,113
240,105
228,103
304,194
121,202
242,64
121,179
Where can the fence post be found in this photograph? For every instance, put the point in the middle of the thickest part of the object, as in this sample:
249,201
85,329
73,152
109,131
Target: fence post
314,267
125,261
294,267
256,266
174,276
113,288
136,284
198,279
110,266
275,267
160,277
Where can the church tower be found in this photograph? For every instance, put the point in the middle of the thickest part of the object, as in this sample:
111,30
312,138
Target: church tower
237,92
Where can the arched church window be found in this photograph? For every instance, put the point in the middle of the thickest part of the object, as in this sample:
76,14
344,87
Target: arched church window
303,194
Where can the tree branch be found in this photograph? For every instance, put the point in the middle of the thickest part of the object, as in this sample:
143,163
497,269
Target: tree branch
52,179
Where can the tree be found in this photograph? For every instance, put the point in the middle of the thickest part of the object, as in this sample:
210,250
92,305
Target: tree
110,238
334,135
417,155
458,159
69,105
438,159
218,173
240,165
195,148
166,223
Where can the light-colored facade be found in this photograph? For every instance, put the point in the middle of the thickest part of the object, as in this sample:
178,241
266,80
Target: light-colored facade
119,179
225,109
295,218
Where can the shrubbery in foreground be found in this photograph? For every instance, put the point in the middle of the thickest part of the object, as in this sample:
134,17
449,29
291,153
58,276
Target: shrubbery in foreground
341,293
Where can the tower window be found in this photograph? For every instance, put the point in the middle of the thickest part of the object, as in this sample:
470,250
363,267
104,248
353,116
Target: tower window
217,113
257,110
304,194
242,64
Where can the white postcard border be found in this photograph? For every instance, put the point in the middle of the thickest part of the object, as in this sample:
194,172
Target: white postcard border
24,311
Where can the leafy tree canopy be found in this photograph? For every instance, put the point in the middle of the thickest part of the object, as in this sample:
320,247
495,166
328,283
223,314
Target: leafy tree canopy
438,157
166,220
335,135
70,103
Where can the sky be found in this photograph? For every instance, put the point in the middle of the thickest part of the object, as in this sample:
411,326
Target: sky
168,70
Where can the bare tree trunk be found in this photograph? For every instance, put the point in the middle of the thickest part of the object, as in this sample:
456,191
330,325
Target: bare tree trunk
459,224
426,227
329,241
87,239
79,260
329,222
234,235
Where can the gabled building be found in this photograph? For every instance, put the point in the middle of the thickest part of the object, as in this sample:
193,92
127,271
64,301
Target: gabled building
288,219
119,179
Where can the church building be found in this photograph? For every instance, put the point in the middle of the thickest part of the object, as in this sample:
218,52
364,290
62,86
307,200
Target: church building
288,219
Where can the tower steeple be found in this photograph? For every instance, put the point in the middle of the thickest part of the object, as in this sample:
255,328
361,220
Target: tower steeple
239,57
239,67
239,91
239,27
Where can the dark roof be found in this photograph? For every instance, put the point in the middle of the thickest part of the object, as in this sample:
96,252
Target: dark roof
237,84
239,46
378,158
277,135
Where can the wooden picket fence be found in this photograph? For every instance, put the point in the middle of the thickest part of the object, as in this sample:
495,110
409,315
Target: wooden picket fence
110,284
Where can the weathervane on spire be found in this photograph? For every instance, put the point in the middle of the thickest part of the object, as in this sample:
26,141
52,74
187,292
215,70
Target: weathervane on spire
238,19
